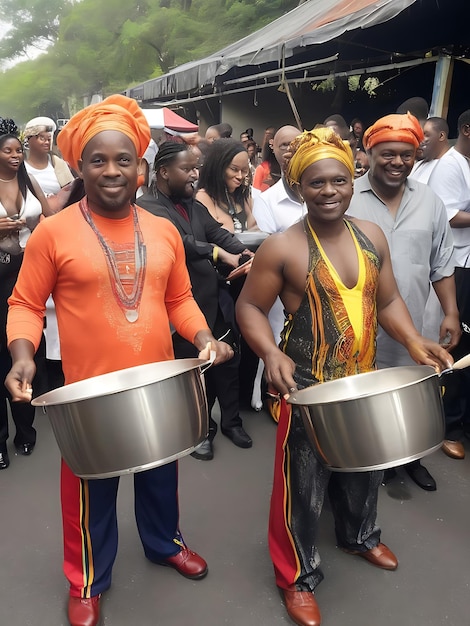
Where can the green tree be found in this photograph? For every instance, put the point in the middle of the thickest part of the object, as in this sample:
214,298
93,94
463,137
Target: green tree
37,87
33,23
92,40
165,35
106,46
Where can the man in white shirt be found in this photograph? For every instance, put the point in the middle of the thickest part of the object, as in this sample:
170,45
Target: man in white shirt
450,179
279,207
434,146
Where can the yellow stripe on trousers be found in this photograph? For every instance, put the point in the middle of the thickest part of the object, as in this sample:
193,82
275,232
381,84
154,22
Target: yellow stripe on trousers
87,552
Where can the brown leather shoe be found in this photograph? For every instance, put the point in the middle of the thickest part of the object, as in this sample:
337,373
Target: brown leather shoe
84,611
187,563
301,607
454,449
380,556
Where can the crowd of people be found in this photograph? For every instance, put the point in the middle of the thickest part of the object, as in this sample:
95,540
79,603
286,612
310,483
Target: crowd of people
110,261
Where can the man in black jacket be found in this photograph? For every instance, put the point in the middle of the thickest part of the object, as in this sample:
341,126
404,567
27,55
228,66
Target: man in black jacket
207,245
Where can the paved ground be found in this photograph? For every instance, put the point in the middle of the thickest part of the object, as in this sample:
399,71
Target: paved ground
224,510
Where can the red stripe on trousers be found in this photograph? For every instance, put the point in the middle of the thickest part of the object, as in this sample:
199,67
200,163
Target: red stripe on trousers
281,543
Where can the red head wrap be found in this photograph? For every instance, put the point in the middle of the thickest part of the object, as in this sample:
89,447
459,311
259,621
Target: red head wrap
114,113
405,128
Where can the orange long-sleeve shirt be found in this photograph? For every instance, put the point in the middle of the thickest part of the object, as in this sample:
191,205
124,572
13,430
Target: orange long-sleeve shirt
63,257
262,173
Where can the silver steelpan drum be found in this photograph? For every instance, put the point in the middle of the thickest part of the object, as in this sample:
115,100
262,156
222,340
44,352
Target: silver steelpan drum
376,420
129,420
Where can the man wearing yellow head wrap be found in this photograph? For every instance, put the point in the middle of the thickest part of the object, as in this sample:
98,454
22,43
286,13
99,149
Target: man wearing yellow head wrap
335,280
315,145
415,223
119,279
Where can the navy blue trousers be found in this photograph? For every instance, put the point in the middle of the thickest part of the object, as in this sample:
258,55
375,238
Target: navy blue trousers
90,524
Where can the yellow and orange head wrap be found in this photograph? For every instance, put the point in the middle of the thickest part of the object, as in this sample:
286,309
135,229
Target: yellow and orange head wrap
114,113
405,128
315,145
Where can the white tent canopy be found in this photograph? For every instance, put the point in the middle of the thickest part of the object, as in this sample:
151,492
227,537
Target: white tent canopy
166,118
313,22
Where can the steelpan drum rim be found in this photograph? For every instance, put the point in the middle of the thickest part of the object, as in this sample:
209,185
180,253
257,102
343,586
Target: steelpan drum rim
50,398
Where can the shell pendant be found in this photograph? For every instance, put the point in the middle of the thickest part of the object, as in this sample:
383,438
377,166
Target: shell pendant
132,315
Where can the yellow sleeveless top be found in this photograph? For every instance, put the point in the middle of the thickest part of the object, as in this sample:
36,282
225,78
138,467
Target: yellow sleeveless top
320,337
352,298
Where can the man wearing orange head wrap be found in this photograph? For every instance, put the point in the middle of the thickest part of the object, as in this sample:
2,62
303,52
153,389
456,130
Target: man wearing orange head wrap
403,128
335,280
415,223
118,276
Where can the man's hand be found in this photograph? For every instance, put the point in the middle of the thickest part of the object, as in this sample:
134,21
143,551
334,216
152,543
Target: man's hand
222,351
279,371
450,327
18,380
427,352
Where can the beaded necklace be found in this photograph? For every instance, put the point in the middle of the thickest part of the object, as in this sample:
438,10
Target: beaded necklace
128,304
237,225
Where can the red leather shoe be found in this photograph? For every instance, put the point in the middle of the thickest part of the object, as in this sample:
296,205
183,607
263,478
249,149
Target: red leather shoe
84,611
380,556
301,607
187,563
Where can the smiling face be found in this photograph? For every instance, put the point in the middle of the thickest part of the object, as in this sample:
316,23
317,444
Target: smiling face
390,165
11,156
109,168
237,171
326,187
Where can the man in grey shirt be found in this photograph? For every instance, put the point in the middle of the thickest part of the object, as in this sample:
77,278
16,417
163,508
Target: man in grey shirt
415,223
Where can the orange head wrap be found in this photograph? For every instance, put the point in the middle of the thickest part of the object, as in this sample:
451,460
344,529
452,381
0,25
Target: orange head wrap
405,128
314,145
115,113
